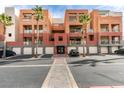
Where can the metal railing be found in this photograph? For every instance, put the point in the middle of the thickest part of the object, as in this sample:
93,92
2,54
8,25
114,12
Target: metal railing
27,31
110,42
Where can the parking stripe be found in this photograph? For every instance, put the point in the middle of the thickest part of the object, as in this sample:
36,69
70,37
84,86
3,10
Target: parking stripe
13,66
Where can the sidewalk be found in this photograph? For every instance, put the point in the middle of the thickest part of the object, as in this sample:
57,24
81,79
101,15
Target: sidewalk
59,75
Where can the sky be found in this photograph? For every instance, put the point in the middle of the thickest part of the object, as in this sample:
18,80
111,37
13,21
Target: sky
58,10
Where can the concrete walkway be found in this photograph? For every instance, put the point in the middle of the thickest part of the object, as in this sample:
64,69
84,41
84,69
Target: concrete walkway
59,75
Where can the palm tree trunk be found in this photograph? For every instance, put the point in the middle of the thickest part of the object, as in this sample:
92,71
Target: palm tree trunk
83,45
4,50
37,40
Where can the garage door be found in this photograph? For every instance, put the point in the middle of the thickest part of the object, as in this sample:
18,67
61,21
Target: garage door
17,50
49,50
104,49
80,49
40,50
27,50
114,48
92,50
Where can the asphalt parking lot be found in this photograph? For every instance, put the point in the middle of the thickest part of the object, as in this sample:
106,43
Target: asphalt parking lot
24,74
20,57
94,71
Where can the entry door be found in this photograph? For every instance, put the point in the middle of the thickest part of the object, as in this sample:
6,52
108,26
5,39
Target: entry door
60,50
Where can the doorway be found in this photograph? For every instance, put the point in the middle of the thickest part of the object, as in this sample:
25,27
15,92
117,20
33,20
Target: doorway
60,49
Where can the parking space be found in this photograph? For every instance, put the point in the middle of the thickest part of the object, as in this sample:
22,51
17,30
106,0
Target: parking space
20,57
27,62
22,77
96,70
24,74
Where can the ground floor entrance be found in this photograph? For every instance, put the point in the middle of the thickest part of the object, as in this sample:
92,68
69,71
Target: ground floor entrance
60,49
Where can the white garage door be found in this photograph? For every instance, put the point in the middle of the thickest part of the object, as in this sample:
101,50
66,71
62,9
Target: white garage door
17,50
40,50
92,50
114,48
69,48
49,50
80,49
104,49
27,50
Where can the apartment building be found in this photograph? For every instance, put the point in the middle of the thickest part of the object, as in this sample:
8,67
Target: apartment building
60,35
108,25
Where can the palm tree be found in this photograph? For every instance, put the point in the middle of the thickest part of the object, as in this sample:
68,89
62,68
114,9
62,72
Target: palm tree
6,21
85,20
38,13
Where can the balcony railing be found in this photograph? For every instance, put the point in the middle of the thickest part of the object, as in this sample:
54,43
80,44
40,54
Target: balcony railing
115,30
75,43
104,42
104,30
110,42
40,31
39,42
115,42
75,30
27,31
27,43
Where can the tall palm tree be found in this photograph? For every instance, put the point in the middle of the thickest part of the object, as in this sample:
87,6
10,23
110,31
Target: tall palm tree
6,21
85,20
38,13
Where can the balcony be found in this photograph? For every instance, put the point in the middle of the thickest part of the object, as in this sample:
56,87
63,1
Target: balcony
40,31
104,27
75,44
75,41
72,18
26,43
90,30
58,27
110,43
75,30
115,42
27,31
109,13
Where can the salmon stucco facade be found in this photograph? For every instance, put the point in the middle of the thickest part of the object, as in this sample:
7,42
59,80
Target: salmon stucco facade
59,35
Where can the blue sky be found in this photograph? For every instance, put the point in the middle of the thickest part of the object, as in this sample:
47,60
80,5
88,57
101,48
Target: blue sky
58,10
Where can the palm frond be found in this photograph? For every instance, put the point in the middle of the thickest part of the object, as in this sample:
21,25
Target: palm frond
84,19
5,20
38,12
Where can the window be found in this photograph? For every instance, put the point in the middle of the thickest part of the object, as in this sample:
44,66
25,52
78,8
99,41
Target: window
10,35
51,39
75,28
72,18
60,38
27,29
27,16
104,27
115,27
91,37
40,28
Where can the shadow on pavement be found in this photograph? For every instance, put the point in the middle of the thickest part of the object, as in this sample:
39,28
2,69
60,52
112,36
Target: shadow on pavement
47,56
92,62
20,57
